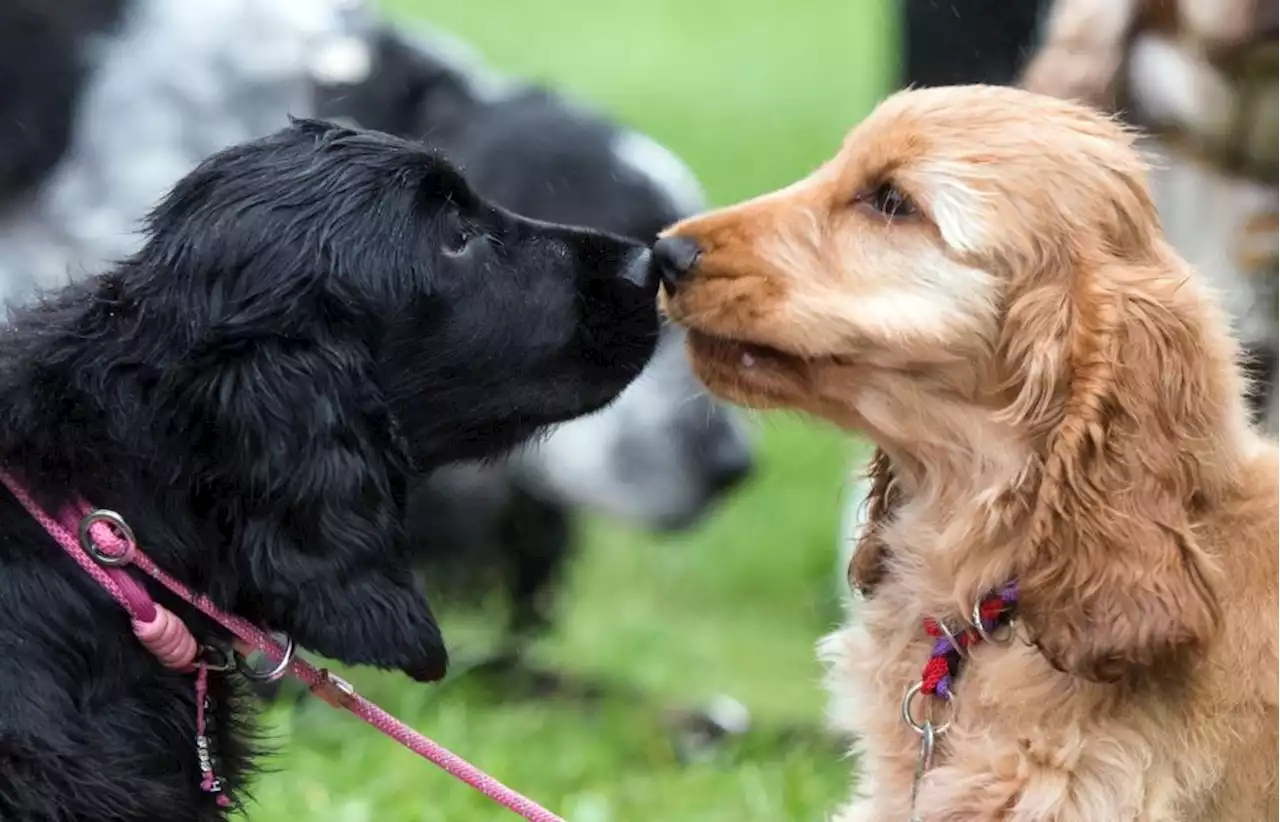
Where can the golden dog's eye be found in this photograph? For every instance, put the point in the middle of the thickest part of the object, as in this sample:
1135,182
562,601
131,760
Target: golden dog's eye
887,200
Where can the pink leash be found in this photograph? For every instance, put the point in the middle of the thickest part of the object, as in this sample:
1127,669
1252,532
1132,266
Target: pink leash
105,544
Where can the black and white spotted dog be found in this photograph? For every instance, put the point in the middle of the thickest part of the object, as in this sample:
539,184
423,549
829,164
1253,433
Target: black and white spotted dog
105,103
111,101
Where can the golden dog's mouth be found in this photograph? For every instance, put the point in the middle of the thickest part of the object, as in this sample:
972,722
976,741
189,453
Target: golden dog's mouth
749,373
741,354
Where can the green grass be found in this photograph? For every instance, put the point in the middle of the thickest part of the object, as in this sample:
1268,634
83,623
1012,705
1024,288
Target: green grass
753,95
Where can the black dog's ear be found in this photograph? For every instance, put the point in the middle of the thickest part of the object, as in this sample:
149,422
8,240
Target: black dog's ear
302,470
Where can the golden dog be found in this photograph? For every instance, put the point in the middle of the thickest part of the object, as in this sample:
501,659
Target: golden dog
979,283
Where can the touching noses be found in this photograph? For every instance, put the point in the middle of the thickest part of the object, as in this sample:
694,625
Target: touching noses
675,258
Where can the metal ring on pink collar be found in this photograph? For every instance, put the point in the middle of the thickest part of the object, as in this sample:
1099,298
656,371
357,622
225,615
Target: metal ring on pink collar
282,666
908,715
122,528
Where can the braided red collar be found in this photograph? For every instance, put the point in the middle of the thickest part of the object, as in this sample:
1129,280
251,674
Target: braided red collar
990,620
990,614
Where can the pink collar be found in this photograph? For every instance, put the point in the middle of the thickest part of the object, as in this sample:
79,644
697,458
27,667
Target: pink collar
102,543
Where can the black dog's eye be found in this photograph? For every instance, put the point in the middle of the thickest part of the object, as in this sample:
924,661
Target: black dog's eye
886,199
457,234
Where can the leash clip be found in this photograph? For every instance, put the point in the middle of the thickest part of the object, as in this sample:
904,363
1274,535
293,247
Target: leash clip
924,762
334,690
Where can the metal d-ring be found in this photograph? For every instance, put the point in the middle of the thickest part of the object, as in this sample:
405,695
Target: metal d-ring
91,548
247,671
908,715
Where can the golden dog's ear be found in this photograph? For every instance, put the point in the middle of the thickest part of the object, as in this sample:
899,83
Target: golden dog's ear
867,565
1114,383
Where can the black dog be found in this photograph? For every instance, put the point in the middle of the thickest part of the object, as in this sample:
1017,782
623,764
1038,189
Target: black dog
314,318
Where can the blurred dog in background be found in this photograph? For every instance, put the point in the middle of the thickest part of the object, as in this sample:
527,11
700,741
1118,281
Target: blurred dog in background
105,103
108,102
1202,78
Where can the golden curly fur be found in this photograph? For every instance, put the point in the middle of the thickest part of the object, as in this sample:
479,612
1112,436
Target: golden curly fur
978,281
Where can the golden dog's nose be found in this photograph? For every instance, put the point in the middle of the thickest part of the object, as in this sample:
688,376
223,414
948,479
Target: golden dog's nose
675,258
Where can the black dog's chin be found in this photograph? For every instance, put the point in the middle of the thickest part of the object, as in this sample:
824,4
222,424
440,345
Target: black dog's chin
430,672
616,344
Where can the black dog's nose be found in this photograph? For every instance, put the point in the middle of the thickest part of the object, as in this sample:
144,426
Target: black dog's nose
675,258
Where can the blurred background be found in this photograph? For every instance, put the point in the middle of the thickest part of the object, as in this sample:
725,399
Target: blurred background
751,96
